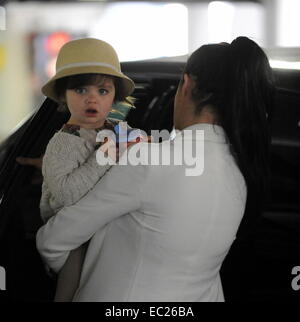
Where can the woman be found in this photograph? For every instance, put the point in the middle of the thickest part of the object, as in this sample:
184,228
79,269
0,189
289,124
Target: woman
168,232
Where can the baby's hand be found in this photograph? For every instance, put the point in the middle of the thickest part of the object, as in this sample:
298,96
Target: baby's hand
115,149
141,138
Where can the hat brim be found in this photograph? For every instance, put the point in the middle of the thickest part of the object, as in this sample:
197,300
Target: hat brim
48,88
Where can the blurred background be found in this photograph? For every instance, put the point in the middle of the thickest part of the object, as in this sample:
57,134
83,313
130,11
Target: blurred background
32,32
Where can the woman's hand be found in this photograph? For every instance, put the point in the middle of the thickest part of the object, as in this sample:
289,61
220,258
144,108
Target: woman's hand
37,163
34,162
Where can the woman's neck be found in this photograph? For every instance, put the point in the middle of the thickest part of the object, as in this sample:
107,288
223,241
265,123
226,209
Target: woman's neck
206,116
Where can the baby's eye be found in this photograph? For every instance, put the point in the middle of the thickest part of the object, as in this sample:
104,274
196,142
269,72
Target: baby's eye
103,91
80,90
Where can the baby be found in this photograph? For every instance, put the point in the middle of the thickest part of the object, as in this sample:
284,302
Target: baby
88,81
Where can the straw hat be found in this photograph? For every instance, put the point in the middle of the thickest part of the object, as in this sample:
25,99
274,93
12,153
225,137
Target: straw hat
85,56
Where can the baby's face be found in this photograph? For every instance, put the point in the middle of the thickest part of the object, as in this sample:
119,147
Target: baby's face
89,105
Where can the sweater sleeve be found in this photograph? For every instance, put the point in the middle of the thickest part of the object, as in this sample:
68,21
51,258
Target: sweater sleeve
117,194
70,168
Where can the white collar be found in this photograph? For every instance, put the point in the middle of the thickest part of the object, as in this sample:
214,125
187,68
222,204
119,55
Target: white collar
212,132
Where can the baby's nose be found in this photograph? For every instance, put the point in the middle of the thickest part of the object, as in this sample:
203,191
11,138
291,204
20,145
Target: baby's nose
92,97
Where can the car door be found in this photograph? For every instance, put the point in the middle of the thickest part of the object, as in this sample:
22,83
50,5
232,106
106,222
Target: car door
19,217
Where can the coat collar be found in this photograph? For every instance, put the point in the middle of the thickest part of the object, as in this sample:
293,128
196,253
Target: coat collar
212,132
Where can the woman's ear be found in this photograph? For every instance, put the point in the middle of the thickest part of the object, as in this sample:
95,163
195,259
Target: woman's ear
187,84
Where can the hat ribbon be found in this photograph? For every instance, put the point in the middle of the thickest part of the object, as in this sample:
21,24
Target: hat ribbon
87,64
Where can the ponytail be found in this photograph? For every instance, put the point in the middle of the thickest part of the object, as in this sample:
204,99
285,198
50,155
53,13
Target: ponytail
247,108
236,80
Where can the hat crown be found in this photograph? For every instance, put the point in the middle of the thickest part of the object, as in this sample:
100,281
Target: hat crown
87,52
87,56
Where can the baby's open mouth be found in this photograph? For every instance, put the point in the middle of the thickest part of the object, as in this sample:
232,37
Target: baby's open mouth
91,111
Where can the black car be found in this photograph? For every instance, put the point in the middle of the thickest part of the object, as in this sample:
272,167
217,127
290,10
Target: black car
260,266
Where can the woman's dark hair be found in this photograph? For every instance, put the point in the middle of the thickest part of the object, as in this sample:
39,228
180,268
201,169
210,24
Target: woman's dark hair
79,80
236,81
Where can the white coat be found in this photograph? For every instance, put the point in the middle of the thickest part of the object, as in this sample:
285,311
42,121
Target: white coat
167,233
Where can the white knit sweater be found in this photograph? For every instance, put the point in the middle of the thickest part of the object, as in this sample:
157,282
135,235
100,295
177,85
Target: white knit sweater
70,170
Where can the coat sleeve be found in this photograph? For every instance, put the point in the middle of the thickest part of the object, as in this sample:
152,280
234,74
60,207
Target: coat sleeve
70,168
117,194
